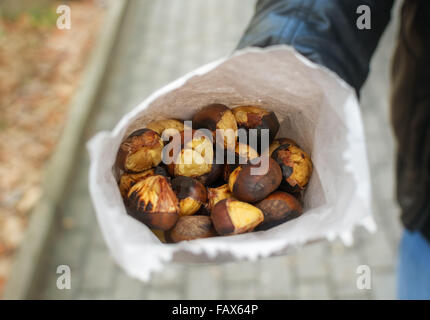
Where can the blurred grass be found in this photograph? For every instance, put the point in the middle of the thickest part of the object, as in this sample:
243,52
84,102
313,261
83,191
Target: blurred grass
41,14
43,17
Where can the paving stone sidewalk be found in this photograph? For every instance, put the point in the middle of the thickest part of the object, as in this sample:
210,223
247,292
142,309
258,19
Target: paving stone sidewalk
160,41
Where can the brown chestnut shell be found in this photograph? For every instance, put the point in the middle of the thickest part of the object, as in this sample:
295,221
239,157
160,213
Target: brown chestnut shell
141,151
217,116
231,216
128,180
279,142
191,228
217,194
190,193
167,127
278,208
242,154
204,170
258,118
252,188
211,176
153,202
296,167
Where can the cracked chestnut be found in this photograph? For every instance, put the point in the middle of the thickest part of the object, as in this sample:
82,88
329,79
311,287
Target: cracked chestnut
296,167
153,202
190,193
141,151
128,180
258,118
168,127
242,154
279,142
217,194
217,116
193,156
231,216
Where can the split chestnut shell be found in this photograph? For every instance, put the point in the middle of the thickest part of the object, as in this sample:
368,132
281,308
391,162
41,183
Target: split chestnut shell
153,202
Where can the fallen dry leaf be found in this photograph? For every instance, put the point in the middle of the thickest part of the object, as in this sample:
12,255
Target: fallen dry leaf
40,68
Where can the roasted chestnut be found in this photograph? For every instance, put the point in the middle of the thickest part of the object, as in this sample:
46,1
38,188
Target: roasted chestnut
190,228
153,202
167,127
190,193
230,216
217,194
250,187
296,167
193,156
128,180
278,208
217,116
258,118
279,142
242,154
141,151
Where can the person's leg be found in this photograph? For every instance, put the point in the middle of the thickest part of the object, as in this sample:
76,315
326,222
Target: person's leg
413,272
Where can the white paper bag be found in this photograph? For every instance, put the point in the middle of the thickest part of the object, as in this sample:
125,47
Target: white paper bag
314,107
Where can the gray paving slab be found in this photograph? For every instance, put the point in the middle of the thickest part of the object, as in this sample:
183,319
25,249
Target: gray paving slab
160,41
205,281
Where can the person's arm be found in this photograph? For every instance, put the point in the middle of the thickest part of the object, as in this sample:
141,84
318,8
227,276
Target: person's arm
325,31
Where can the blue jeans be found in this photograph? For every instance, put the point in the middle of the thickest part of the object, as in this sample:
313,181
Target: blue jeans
414,267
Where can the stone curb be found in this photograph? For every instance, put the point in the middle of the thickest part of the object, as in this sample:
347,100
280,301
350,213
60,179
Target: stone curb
61,164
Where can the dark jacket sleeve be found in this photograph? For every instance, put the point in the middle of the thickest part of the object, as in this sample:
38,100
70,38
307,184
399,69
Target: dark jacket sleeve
325,31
